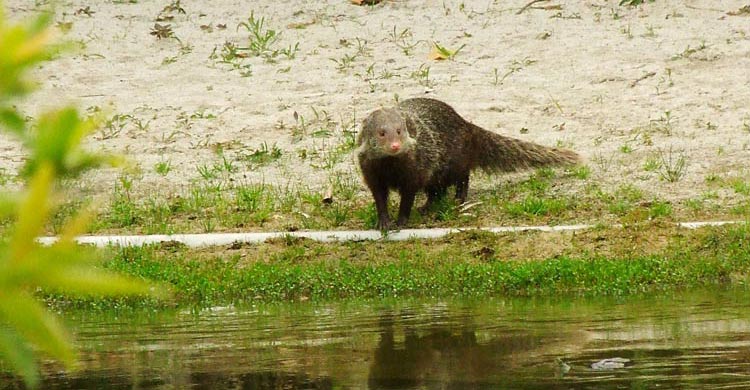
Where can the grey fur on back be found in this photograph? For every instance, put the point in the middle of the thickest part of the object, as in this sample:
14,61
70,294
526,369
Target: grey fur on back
445,138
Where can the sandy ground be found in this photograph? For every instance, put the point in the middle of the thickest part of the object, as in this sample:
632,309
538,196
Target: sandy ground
622,86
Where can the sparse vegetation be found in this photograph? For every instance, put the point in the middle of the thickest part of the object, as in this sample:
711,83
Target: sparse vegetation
163,167
261,38
673,165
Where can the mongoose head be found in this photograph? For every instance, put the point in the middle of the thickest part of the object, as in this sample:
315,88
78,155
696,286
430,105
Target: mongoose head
385,132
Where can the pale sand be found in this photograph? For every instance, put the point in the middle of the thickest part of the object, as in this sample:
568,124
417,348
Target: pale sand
590,76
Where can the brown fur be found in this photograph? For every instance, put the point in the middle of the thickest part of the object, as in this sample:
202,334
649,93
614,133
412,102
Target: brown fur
424,145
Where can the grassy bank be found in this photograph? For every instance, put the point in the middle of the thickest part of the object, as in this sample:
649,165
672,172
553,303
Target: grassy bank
545,196
612,261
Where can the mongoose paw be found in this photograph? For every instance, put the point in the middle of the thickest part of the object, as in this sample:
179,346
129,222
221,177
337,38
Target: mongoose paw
424,209
384,225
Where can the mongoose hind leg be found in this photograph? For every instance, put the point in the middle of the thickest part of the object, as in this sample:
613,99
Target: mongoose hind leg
433,193
462,187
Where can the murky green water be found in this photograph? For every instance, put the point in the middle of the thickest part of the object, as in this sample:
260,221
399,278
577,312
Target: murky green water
685,340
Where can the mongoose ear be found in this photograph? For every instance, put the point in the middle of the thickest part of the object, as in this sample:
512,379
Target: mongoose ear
411,127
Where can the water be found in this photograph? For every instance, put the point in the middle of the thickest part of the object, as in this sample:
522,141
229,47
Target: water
679,341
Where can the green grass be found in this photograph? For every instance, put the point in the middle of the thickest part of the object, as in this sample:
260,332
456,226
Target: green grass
741,186
466,264
218,200
536,206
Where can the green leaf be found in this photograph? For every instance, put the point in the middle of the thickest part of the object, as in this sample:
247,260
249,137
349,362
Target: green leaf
31,215
58,139
8,205
88,281
27,317
17,353
10,120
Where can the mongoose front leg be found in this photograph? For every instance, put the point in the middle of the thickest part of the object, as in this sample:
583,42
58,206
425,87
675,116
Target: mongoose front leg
407,201
381,206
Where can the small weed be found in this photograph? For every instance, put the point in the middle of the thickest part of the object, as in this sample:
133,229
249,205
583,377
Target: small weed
652,163
535,206
665,81
367,215
650,32
206,172
581,172
337,213
362,49
263,155
663,124
422,75
122,211
345,62
113,126
672,167
660,209
225,165
742,209
620,207
163,167
630,193
261,38
706,195
689,51
290,52
712,178
740,186
233,55
165,14
515,66
207,224
495,77
626,149
446,209
603,162
202,114
695,205
536,184
626,30
403,40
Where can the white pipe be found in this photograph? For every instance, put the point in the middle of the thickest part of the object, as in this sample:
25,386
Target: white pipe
209,239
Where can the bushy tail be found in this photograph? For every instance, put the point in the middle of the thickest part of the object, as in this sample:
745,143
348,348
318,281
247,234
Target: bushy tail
499,153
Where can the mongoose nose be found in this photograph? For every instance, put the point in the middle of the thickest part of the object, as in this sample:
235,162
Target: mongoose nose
396,146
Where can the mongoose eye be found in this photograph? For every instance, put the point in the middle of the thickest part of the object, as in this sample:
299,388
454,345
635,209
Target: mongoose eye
382,133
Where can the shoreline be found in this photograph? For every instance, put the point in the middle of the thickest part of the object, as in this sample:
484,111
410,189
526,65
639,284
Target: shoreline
599,262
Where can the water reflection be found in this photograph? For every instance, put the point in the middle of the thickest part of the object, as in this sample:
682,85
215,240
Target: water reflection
687,340
442,357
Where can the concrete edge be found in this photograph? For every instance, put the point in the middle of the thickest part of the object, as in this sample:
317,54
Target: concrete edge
219,239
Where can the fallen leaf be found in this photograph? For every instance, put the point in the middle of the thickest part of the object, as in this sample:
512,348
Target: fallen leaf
439,53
